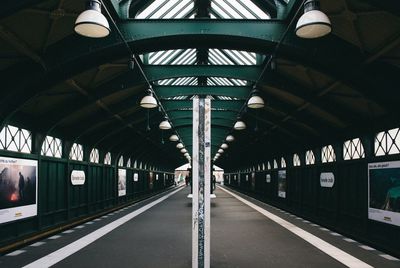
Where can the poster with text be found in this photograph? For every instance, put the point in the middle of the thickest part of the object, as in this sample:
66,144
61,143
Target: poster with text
282,183
253,180
135,177
18,189
121,182
151,180
384,192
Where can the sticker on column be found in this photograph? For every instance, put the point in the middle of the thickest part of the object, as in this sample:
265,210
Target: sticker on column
327,179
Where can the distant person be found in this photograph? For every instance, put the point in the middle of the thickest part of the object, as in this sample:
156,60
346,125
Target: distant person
21,186
214,180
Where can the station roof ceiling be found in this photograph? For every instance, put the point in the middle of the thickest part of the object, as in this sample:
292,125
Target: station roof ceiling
318,91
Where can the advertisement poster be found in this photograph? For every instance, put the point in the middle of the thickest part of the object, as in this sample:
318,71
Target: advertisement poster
18,189
121,182
384,192
135,177
253,180
151,179
282,183
268,178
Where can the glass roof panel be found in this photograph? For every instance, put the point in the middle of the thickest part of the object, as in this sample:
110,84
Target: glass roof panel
237,9
172,57
231,57
181,81
168,9
220,9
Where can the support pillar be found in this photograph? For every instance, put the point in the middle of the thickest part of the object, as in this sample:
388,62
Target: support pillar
201,182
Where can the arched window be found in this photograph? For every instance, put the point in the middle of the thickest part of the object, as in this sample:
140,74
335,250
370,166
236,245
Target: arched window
51,146
387,142
128,164
296,160
310,158
283,163
94,156
15,139
269,165
328,154
275,164
353,149
107,159
76,152
121,161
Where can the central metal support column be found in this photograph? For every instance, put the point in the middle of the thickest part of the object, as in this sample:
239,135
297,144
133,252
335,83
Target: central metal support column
201,183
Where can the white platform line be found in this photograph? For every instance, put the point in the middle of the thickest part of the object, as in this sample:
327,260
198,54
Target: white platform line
38,244
55,237
334,252
349,240
335,234
68,231
366,247
70,249
15,253
388,257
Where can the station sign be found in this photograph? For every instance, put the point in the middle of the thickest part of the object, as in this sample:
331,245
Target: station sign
327,179
78,177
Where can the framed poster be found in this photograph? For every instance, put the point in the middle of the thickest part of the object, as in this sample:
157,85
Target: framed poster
151,180
384,192
18,189
282,183
253,180
268,178
135,177
121,182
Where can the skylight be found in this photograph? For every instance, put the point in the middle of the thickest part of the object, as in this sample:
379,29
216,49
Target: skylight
222,81
231,57
181,81
168,9
237,9
173,57
220,9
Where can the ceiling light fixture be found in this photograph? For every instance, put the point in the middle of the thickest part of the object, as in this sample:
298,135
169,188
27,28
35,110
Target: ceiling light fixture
255,101
179,146
239,125
148,101
91,22
313,23
224,146
174,138
230,138
165,125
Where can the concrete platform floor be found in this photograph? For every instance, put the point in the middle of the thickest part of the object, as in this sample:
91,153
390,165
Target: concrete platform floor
161,237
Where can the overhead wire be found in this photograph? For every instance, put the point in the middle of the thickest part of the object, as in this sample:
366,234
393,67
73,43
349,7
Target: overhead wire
138,64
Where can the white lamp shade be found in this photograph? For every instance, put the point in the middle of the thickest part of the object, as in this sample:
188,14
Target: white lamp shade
255,102
217,155
186,154
224,146
239,125
179,146
220,151
164,125
230,138
313,24
183,151
148,102
174,138
92,23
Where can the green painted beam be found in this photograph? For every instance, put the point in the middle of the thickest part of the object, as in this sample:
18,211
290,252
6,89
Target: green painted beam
240,92
159,72
233,105
177,123
214,114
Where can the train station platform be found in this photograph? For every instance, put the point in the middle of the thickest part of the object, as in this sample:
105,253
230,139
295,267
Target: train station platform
157,233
